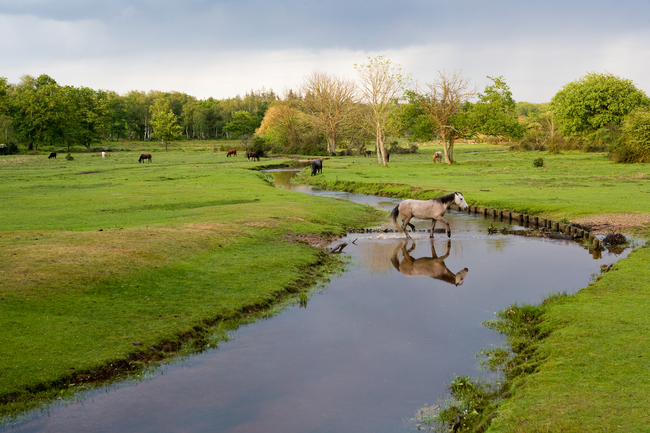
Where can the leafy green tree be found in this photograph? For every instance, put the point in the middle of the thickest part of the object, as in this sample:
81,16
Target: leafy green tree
116,125
38,107
164,122
242,123
85,113
138,115
495,112
594,101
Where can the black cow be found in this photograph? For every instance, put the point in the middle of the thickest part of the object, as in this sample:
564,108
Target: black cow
52,155
316,166
253,156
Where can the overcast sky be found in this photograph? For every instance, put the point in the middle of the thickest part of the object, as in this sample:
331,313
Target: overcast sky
222,48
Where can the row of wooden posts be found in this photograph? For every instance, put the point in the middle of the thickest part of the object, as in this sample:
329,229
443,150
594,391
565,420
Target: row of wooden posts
514,217
536,222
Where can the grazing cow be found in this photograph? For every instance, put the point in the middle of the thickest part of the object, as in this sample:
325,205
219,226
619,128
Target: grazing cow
367,152
145,156
316,166
231,153
438,156
52,155
387,156
253,156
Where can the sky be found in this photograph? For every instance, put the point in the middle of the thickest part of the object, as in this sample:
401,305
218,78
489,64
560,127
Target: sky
224,48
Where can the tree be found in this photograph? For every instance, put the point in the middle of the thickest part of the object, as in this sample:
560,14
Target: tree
284,124
329,100
84,116
242,123
381,85
164,122
38,108
594,101
635,143
443,100
495,112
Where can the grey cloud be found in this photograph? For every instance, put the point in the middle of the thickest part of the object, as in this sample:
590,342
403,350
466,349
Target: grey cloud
341,24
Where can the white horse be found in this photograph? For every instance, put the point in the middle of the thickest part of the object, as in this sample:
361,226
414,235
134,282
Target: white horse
432,209
437,155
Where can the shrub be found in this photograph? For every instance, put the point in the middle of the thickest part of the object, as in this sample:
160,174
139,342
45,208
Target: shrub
397,149
258,145
634,145
538,162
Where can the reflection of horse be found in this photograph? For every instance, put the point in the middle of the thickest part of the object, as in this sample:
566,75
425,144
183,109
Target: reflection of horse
432,209
433,266
144,156
438,156
316,166
231,153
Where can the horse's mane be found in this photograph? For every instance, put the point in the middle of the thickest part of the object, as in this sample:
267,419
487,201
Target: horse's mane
446,198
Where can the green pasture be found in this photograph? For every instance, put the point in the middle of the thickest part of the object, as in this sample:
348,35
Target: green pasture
569,185
106,264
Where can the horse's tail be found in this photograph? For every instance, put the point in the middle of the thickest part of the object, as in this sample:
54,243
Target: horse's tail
393,218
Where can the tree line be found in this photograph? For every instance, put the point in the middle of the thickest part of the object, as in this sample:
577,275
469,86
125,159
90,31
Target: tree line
38,111
326,114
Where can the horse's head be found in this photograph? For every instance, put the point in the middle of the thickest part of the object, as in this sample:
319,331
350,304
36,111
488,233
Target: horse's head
460,201
460,276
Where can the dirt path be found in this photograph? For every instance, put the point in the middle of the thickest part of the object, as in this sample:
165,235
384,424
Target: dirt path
622,223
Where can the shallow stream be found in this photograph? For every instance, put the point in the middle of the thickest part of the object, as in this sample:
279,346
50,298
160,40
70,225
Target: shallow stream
374,345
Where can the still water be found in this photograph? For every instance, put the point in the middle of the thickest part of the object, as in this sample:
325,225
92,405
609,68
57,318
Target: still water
370,348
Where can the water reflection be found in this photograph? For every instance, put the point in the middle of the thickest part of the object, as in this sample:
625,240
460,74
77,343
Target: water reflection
432,267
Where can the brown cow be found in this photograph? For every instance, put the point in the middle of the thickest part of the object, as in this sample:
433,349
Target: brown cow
231,153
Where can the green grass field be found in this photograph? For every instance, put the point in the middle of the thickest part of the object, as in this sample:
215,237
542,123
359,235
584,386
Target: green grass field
97,255
106,263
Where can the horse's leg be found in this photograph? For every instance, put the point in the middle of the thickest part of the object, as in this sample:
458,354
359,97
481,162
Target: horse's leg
433,227
412,227
405,222
444,221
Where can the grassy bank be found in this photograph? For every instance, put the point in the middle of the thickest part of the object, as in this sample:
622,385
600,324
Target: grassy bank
588,373
572,185
107,264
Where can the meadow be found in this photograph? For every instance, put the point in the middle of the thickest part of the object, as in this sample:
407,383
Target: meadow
107,265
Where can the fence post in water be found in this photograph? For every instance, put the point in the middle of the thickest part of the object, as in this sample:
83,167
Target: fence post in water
555,226
536,221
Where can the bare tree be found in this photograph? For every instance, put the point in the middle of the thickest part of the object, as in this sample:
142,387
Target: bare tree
381,87
329,100
443,99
